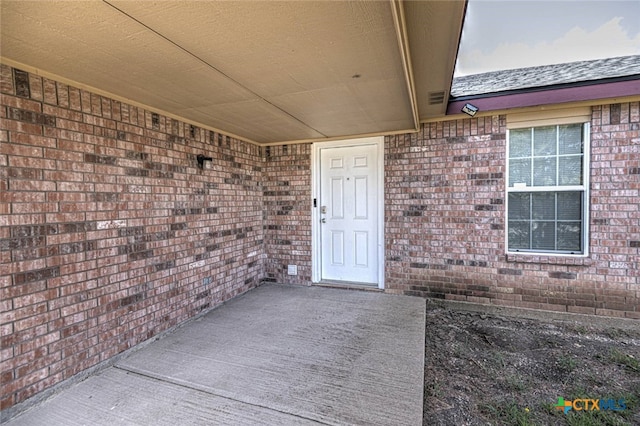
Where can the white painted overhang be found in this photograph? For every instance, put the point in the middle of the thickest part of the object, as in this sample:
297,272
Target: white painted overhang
264,71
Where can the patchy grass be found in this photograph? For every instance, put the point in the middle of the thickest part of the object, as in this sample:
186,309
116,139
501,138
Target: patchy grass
508,413
483,369
567,363
629,361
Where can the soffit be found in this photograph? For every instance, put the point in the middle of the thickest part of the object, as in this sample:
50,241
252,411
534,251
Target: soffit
265,71
433,32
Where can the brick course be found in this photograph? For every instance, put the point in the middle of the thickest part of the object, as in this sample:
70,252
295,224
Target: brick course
287,212
445,220
110,233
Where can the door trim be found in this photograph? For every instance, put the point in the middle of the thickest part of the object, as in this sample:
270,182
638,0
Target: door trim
316,266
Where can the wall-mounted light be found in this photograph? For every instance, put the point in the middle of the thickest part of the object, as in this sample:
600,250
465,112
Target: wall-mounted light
204,162
470,110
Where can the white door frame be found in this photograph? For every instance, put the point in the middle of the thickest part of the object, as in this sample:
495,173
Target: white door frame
316,266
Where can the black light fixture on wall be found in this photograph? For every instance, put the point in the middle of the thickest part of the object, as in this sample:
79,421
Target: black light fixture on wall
202,160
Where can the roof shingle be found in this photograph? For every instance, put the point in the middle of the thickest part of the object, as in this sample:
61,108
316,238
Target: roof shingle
546,75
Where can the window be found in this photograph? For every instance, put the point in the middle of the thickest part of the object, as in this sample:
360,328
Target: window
547,189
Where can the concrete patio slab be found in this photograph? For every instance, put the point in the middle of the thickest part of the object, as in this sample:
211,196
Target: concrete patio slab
275,355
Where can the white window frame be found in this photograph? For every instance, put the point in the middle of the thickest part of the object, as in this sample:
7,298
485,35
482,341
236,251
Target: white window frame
584,188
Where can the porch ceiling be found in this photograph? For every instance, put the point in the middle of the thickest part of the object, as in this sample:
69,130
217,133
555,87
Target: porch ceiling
264,71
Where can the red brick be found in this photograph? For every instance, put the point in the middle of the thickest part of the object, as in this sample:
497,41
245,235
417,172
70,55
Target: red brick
32,140
50,95
20,150
20,127
63,94
141,231
92,272
22,103
37,90
6,80
475,160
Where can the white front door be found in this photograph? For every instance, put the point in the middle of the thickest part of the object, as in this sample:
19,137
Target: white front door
348,212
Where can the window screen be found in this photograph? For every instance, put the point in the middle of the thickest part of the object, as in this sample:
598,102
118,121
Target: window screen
546,192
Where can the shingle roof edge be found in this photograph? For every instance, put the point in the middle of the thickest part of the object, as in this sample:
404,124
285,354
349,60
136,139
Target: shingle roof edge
546,77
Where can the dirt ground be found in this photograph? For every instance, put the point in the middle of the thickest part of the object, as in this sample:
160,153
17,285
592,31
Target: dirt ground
497,369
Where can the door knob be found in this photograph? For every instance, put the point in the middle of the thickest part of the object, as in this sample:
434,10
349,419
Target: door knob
323,220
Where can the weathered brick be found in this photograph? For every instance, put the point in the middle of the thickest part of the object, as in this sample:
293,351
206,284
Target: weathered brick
21,83
562,275
142,239
107,177
509,271
462,180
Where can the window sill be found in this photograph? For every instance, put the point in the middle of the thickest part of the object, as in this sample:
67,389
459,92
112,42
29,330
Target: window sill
549,260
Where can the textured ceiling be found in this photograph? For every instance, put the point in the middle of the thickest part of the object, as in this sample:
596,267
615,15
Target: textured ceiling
264,71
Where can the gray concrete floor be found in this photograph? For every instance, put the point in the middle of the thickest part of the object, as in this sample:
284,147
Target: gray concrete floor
278,354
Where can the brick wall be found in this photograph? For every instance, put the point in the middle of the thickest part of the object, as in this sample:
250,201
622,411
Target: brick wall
109,232
445,214
287,212
445,211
